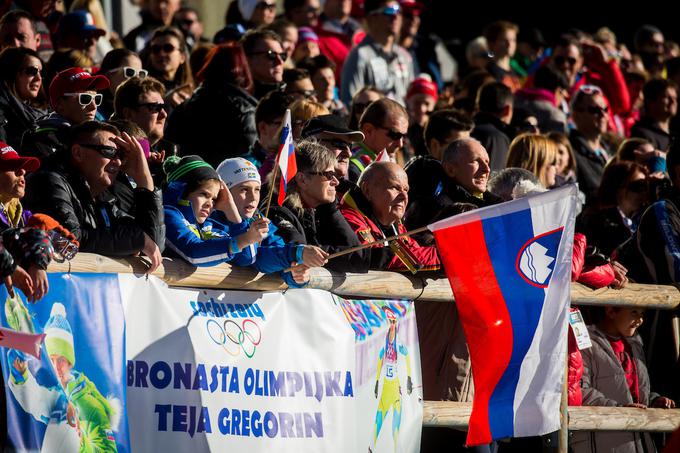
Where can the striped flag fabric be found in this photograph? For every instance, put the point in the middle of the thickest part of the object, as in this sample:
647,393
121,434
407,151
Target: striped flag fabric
286,157
509,267
383,156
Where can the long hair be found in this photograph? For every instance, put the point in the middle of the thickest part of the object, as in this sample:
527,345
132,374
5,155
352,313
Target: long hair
532,152
227,63
562,139
626,151
615,177
183,75
11,61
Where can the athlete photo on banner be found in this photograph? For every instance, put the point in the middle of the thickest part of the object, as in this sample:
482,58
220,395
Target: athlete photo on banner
71,398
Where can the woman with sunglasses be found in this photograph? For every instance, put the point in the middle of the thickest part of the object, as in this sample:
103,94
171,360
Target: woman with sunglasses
118,66
21,92
622,197
167,59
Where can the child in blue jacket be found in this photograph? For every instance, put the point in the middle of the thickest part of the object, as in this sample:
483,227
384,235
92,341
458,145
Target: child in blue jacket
271,254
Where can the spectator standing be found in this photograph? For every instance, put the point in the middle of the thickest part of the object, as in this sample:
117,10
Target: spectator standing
420,102
384,125
155,14
188,20
21,91
77,31
265,55
45,19
492,123
322,72
544,99
501,37
72,189
360,102
74,98
222,106
660,106
167,60
589,114
336,18
378,60
649,44
19,29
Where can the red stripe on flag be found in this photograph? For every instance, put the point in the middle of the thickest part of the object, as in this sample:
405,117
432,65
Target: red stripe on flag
483,313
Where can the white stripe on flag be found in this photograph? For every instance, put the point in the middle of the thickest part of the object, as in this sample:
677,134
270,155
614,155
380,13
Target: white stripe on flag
285,147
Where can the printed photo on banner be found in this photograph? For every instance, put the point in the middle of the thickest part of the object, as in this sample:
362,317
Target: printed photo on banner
71,398
387,365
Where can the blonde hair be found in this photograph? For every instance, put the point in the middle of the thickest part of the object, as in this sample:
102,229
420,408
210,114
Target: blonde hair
304,110
533,152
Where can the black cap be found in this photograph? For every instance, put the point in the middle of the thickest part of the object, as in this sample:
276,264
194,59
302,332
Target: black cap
331,126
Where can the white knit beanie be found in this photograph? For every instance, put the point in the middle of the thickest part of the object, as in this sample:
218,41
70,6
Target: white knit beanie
237,170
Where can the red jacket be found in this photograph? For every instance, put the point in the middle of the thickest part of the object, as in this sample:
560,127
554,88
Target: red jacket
575,370
356,210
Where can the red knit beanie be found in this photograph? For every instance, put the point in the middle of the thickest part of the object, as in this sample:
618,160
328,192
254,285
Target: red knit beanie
423,84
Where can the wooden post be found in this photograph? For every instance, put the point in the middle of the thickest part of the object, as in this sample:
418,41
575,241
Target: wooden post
564,412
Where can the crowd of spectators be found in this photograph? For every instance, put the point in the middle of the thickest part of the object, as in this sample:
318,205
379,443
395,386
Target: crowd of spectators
163,143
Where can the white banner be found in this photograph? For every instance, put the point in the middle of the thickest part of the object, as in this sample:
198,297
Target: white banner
298,371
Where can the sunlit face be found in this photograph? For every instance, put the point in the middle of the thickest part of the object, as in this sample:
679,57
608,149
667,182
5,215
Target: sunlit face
62,367
148,116
324,84
99,171
591,116
117,75
266,65
166,55
419,108
29,79
471,168
246,197
202,200
12,184
388,136
505,45
562,159
264,13
307,49
343,152
548,173
19,34
289,39
317,189
388,195
625,320
69,107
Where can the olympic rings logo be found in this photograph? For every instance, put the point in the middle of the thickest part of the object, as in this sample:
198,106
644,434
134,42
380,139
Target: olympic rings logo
235,338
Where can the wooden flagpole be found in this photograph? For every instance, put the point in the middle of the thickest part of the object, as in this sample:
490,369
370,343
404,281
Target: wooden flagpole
271,189
371,244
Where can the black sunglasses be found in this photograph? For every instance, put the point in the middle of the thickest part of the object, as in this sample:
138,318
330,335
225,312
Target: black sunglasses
265,5
154,107
272,56
109,152
167,48
329,175
86,99
305,93
394,135
31,71
597,110
559,61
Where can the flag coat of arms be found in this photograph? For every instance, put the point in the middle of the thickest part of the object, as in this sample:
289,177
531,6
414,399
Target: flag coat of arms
509,267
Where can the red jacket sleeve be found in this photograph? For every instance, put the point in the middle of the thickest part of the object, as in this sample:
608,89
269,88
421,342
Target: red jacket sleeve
613,84
593,277
575,371
578,256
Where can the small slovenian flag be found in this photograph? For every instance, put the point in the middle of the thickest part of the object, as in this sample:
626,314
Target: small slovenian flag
509,267
383,156
286,157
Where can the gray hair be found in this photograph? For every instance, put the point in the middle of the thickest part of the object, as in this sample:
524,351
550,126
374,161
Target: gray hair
504,182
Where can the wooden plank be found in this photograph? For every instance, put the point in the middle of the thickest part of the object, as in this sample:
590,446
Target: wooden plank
581,418
378,285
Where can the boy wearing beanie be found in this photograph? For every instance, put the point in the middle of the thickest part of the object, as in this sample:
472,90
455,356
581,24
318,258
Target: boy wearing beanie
271,254
192,192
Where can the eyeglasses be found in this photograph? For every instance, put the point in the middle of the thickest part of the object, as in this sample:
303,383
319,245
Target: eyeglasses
329,175
154,107
64,249
273,56
638,186
32,71
394,135
305,93
107,151
167,48
86,99
265,5
129,72
390,10
559,61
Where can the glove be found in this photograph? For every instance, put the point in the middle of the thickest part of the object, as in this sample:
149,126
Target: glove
409,385
376,387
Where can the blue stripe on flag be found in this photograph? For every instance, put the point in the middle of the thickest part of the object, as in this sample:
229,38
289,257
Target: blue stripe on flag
284,134
505,235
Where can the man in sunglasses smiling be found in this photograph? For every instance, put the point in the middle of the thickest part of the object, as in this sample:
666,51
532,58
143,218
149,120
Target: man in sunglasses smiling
264,51
74,98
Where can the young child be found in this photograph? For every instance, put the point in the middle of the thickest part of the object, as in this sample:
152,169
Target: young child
192,192
270,254
615,375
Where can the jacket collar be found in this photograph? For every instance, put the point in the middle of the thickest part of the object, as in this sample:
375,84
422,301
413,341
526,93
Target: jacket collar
172,196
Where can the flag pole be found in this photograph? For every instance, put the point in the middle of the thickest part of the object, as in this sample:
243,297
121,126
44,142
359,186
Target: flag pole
563,441
271,188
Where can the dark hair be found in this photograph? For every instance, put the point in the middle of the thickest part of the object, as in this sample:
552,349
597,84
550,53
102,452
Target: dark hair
312,65
672,67
189,9
372,5
442,122
626,150
279,25
644,34
655,88
183,75
493,97
295,74
129,92
64,59
567,40
615,177
673,156
353,122
289,5
471,84
127,126
89,128
11,60
233,14
12,17
494,30
550,78
272,107
114,59
226,63
379,110
253,37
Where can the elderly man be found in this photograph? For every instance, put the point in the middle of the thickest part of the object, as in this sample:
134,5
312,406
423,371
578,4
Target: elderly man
72,188
384,124
466,172
374,211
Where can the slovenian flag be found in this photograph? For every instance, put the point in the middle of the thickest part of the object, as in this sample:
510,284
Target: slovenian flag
509,267
286,157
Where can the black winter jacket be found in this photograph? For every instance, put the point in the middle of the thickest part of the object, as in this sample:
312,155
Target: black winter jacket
47,136
589,166
16,118
495,136
216,123
99,224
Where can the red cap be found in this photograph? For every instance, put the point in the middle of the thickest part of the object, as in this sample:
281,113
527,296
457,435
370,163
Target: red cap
75,80
10,160
423,84
412,6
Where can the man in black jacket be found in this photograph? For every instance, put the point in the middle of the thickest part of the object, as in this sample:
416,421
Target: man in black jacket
492,123
660,106
71,188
